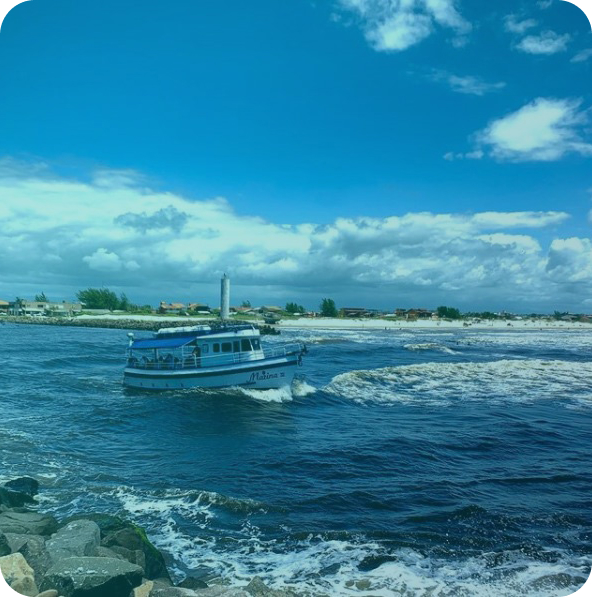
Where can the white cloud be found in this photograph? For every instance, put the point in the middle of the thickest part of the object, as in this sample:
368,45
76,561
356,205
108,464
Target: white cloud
543,130
466,84
547,42
513,25
395,25
65,234
570,260
582,56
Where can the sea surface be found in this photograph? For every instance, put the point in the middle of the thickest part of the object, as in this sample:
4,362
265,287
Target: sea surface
416,463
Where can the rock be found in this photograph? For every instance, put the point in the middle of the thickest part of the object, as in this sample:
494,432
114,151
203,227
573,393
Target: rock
93,577
134,556
107,523
105,552
257,588
26,485
14,499
134,538
78,538
18,574
162,591
50,593
34,552
5,548
363,585
17,540
192,583
222,591
28,523
143,590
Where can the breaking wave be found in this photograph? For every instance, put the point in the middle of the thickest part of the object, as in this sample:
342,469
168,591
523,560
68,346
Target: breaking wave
443,383
430,346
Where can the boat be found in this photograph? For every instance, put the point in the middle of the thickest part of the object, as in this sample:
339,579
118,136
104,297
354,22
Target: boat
209,356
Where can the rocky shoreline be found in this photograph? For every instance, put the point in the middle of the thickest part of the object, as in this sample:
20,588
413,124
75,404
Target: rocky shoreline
121,323
92,555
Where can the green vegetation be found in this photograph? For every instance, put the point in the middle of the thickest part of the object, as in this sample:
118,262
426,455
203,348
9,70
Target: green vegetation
328,308
448,313
293,308
103,298
41,298
246,304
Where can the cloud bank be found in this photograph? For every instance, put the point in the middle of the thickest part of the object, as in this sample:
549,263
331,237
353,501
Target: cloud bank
67,234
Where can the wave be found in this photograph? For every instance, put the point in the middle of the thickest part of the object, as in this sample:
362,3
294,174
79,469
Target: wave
444,383
429,346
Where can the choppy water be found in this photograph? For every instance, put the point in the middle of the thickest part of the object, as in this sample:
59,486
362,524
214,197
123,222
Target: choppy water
425,463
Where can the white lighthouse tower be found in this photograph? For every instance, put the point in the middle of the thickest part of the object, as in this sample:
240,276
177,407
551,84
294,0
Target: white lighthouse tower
225,297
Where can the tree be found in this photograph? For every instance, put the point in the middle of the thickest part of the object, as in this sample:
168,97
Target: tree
41,298
328,308
124,304
293,308
98,298
448,313
246,304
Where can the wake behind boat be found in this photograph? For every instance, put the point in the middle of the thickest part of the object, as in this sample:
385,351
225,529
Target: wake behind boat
209,356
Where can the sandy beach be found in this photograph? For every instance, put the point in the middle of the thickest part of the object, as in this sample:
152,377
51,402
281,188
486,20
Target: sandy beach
375,324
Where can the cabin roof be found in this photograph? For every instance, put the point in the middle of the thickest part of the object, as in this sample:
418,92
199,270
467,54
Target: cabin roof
162,342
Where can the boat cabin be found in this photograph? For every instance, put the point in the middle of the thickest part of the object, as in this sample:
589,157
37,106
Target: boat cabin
195,347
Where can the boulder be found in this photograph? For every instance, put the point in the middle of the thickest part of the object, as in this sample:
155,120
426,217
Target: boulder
26,485
50,593
105,552
93,577
28,523
135,556
162,591
33,550
5,548
134,538
192,583
77,538
14,499
107,523
257,588
18,574
143,590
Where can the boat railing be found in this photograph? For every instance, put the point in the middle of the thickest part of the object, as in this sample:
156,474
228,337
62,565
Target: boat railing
172,363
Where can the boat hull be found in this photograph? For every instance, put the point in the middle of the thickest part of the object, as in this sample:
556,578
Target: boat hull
262,375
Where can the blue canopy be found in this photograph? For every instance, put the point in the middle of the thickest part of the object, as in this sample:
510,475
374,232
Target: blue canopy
162,342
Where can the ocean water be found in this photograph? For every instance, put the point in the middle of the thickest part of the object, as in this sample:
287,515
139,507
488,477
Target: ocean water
407,463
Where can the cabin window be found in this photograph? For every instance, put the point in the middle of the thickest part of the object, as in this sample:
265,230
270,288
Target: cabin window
245,345
236,346
226,346
204,348
216,348
256,344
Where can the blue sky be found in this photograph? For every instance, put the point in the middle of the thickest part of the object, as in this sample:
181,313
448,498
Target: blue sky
342,148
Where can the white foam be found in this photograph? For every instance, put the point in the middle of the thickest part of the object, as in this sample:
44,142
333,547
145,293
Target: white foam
302,388
443,383
283,394
429,346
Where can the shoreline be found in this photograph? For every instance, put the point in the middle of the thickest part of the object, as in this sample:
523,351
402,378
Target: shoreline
95,553
152,323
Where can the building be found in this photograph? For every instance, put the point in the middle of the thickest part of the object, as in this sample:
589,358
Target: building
43,308
4,307
172,308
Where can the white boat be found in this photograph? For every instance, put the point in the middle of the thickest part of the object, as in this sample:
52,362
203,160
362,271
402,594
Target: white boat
209,356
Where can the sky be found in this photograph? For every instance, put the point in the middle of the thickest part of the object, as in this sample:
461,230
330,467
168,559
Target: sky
383,153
